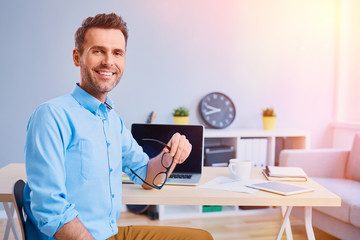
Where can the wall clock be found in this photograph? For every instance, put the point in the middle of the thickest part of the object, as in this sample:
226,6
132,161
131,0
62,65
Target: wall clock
217,110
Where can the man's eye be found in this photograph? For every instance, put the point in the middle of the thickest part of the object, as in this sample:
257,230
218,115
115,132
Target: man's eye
119,54
97,51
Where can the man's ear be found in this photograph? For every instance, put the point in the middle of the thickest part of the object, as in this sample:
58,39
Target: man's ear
76,57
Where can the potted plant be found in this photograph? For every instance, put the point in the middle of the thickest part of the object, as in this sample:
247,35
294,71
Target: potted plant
269,118
181,115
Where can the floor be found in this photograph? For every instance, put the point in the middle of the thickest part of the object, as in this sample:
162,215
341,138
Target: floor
253,227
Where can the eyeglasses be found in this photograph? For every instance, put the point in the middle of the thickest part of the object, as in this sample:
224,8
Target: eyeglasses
166,161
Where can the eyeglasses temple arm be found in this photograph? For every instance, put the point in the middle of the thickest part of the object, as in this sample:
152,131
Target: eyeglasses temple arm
158,141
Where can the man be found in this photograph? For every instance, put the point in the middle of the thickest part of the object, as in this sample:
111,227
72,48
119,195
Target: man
77,148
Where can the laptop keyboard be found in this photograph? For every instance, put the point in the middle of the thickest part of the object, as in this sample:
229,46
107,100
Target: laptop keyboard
181,176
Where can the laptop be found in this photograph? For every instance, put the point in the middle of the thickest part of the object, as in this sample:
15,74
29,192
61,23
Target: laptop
187,173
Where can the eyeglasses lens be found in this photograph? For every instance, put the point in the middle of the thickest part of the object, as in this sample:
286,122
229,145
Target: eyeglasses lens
159,179
166,160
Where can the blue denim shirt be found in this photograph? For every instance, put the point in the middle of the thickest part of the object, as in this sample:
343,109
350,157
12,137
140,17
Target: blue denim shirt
76,150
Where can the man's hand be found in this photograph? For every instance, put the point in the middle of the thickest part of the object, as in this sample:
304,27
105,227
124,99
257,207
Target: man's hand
180,148
180,151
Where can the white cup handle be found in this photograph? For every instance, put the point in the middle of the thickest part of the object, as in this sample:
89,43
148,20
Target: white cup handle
231,165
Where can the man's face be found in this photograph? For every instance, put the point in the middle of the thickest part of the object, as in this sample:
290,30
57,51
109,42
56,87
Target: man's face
102,61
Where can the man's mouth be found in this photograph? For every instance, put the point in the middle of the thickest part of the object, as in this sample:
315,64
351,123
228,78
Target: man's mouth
105,73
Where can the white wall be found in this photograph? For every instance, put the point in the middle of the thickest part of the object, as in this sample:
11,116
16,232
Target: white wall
348,96
347,111
261,53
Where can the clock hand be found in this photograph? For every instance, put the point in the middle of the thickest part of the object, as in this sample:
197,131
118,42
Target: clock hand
213,111
211,107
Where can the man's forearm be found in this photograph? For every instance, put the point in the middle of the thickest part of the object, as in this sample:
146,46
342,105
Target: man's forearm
73,230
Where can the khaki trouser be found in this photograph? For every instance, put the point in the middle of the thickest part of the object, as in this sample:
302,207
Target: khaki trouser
160,233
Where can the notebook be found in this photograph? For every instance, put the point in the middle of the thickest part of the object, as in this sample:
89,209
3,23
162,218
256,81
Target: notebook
187,173
275,173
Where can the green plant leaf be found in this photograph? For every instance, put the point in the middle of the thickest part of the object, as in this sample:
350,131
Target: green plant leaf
181,111
268,112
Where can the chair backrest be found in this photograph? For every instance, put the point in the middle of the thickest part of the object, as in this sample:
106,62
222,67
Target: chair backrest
18,193
353,167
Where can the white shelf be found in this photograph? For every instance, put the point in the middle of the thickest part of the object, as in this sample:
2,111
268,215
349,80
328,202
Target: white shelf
214,133
167,212
294,139
178,212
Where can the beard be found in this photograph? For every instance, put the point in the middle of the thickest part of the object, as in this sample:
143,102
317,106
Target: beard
98,84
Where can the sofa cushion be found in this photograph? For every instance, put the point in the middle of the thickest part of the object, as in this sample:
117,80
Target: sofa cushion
353,167
355,214
349,192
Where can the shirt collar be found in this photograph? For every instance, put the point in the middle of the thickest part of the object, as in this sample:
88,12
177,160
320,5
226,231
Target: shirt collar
89,102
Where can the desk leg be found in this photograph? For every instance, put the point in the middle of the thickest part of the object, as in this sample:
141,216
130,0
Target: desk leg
288,224
285,223
10,222
308,223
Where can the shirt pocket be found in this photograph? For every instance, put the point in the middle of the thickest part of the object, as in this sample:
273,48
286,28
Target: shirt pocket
93,156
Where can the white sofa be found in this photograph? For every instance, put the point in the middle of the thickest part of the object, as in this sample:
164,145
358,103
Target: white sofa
339,171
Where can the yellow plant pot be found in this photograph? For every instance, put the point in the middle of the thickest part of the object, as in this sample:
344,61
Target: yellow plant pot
181,120
269,123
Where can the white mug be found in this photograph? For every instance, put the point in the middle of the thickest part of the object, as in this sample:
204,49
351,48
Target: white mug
240,169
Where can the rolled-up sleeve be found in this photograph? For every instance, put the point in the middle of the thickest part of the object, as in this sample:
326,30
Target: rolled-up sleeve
133,156
45,151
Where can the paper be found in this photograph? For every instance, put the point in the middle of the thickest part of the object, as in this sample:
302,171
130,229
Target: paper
230,184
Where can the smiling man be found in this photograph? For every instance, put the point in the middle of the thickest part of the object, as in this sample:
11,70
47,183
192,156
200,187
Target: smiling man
101,64
77,147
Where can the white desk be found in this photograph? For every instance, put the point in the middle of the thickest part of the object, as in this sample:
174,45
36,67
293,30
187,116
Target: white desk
191,195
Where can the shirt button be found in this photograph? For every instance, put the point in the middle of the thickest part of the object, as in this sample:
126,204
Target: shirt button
112,221
108,144
113,196
111,169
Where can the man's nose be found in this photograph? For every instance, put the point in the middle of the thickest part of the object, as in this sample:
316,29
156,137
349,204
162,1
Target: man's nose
108,60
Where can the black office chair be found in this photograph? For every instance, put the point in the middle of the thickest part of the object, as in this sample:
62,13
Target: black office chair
18,197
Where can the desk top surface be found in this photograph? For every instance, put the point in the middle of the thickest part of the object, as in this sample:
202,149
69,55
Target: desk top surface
8,176
192,195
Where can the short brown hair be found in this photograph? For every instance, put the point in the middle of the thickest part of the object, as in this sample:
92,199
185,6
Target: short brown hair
107,21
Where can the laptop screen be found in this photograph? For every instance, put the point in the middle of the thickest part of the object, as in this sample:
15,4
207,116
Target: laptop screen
162,132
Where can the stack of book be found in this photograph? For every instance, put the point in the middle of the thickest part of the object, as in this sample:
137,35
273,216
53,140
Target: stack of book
274,173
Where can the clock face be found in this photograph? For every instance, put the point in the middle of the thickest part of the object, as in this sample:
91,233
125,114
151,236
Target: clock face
217,110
